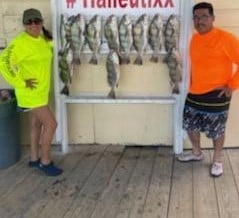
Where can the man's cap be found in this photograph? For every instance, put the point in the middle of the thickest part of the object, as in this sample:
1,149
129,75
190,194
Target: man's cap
31,14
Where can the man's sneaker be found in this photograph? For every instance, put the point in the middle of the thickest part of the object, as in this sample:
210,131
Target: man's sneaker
50,169
217,169
189,156
34,164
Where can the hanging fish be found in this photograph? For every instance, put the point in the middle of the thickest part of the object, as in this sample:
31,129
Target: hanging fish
174,63
113,72
140,37
66,68
111,32
172,32
77,36
156,36
65,30
125,39
93,37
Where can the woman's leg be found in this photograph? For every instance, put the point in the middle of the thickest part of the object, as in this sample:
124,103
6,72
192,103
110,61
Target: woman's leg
35,134
45,117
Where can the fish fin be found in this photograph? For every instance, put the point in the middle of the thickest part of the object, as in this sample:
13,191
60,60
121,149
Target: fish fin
65,90
112,94
138,60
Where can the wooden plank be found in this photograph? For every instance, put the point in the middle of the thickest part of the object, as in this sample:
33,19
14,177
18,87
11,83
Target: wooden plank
108,203
110,183
233,155
52,205
156,204
227,192
32,189
181,195
5,173
14,176
131,205
86,199
204,195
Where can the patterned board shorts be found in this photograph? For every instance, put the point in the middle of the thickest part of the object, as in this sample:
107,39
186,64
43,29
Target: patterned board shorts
211,123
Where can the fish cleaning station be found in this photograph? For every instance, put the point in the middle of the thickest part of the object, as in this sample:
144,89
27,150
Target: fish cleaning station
120,71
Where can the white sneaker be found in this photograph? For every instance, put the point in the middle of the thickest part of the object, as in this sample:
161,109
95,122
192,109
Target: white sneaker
189,156
217,169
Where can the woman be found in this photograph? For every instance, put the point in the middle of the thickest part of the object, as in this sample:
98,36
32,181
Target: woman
26,66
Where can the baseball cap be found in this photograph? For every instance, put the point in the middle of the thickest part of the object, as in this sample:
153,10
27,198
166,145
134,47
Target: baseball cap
31,14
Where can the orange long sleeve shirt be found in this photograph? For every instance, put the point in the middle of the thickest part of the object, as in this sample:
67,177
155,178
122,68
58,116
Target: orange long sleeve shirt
212,57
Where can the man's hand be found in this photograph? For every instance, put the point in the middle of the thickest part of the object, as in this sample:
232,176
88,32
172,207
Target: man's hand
31,83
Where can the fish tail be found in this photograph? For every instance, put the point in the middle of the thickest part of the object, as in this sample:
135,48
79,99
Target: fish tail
77,60
76,57
176,89
138,60
154,58
93,59
112,94
65,90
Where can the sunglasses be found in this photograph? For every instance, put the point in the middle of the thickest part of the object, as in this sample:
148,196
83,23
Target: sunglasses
36,21
203,18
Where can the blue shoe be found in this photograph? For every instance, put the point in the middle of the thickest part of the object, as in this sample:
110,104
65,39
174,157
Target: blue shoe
50,169
34,164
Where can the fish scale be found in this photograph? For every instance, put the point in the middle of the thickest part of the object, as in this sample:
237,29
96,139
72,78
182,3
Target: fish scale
93,37
125,39
140,37
156,38
111,33
113,72
66,68
77,36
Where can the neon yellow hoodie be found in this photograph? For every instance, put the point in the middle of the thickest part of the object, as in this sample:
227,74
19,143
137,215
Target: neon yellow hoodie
27,57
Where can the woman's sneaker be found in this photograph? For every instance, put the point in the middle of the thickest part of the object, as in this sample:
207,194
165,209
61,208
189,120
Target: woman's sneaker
50,169
189,156
217,169
34,164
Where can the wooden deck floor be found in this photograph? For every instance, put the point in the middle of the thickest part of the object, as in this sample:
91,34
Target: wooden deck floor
122,182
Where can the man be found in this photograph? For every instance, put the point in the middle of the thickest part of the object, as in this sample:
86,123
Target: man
213,52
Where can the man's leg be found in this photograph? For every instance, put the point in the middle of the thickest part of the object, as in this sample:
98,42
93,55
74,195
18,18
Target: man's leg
217,167
218,146
195,140
196,153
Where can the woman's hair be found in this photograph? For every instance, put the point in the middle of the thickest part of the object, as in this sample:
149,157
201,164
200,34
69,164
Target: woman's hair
204,5
46,33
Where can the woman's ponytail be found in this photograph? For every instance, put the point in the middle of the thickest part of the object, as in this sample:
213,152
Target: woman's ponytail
46,33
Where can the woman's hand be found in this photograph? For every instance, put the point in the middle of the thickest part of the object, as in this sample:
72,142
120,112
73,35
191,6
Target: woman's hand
31,83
